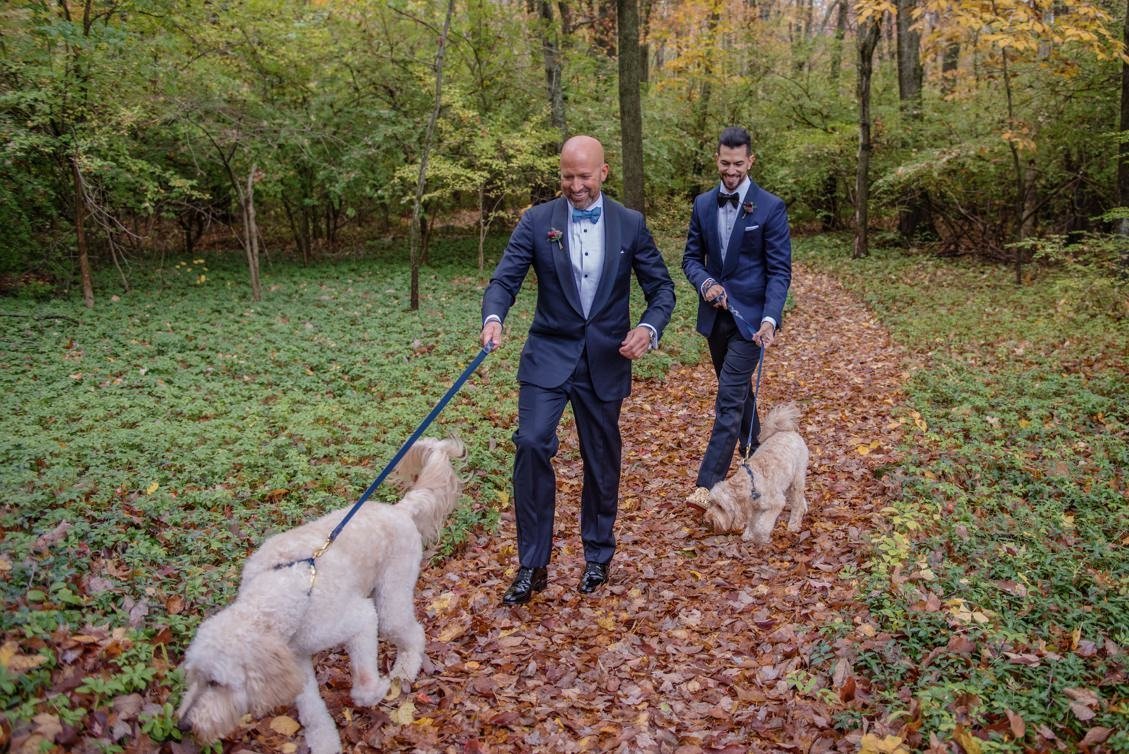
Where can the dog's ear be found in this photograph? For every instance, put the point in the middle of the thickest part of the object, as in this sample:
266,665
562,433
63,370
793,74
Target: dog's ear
272,676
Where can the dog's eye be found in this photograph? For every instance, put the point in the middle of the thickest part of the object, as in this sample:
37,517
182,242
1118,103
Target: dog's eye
214,684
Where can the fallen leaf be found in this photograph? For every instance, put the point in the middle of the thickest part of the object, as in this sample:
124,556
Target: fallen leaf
967,741
1082,712
44,542
404,714
13,661
285,725
872,744
847,690
1096,735
1018,727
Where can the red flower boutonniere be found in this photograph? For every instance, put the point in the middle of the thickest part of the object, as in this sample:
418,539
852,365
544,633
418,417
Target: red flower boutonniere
555,236
748,207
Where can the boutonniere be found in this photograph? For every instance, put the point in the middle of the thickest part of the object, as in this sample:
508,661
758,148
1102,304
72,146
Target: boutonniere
555,236
748,207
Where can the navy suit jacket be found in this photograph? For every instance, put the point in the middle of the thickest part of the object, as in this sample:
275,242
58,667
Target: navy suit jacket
560,332
758,261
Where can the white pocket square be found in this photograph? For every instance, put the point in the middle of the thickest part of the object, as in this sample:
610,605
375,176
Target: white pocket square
751,227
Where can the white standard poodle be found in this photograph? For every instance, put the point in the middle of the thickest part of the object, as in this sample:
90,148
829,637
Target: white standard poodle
257,653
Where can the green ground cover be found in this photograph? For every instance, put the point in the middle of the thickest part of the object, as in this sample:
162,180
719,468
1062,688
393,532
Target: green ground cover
149,445
146,447
1003,582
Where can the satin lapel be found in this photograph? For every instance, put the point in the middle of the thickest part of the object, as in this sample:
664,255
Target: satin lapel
612,247
709,231
562,257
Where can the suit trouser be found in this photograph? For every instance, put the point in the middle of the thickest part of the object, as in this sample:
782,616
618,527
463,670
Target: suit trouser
535,484
735,411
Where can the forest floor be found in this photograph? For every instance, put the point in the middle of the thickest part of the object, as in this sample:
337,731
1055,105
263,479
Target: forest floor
699,642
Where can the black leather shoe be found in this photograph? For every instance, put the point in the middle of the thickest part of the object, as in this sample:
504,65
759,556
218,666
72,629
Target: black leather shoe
594,575
527,581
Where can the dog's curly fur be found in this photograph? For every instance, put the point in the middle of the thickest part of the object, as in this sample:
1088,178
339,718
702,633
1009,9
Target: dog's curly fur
753,497
256,654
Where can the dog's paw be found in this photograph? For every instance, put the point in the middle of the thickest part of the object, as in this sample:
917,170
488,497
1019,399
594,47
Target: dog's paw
323,740
406,667
751,536
370,694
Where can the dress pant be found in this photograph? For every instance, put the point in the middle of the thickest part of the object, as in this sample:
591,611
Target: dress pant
735,361
535,483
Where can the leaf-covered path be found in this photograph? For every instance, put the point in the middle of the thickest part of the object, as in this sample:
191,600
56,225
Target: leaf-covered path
699,642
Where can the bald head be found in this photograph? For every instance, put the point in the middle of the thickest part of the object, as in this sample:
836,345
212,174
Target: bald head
583,170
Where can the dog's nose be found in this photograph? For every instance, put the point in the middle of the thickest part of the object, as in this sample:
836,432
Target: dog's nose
184,726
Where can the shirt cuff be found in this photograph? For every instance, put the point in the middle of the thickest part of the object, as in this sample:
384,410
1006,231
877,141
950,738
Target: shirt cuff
491,318
769,319
654,335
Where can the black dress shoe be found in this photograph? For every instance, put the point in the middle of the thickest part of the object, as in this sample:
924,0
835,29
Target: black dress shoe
527,581
594,575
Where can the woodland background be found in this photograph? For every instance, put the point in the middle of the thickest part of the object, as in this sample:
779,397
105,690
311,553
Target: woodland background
234,232
138,129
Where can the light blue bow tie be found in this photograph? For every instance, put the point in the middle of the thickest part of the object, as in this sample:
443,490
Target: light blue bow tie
586,214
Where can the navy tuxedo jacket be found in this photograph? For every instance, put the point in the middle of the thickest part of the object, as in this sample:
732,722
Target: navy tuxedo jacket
758,261
560,332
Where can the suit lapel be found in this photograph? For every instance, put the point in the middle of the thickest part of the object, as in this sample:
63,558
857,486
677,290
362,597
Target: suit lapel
612,237
562,257
709,229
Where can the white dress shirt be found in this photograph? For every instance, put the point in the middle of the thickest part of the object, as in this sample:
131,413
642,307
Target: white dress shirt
727,215
586,252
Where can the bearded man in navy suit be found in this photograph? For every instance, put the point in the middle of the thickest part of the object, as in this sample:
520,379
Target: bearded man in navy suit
739,258
584,248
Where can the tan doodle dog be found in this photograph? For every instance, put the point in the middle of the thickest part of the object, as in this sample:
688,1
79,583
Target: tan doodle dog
753,497
256,654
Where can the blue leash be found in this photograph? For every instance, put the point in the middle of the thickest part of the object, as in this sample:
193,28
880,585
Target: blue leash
760,370
756,392
311,561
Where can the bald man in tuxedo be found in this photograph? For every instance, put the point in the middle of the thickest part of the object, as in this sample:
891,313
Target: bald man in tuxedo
585,248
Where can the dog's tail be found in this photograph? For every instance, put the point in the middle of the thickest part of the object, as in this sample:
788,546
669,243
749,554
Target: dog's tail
435,487
781,418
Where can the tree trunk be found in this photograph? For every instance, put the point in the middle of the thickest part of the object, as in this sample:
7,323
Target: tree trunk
251,232
425,151
868,40
910,71
300,239
702,107
482,225
80,234
1123,153
913,212
630,104
950,62
837,45
552,55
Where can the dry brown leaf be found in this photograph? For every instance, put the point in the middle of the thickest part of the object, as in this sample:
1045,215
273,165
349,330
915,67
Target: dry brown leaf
285,725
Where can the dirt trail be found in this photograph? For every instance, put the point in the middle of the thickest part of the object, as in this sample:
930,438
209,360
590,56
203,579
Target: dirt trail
700,643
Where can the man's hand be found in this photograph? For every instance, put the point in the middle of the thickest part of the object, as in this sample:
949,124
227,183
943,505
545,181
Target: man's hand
637,343
492,333
715,295
765,335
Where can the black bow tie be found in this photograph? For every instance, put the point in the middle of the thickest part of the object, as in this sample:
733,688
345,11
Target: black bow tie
723,198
